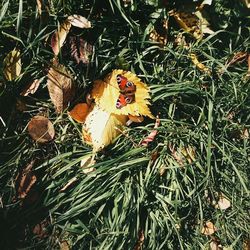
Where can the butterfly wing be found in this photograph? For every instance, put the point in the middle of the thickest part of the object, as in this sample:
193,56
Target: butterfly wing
124,99
125,85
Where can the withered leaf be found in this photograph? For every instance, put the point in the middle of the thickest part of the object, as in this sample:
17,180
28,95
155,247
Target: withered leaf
79,21
59,37
61,87
31,88
140,241
223,203
12,65
208,228
25,180
152,135
68,184
40,229
80,49
64,245
80,112
41,129
39,4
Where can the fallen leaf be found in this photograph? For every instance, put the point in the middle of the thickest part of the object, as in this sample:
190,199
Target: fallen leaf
31,88
64,245
79,21
80,49
41,129
68,184
189,22
246,3
140,241
87,163
246,244
40,229
25,180
245,134
208,228
137,119
152,134
39,4
223,203
59,36
215,245
12,65
101,127
106,93
159,33
79,112
61,87
199,65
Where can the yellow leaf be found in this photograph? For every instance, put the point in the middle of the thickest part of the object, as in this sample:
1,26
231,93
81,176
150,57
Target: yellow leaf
61,87
12,65
101,127
106,94
199,65
79,112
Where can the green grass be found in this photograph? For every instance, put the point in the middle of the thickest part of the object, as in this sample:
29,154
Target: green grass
126,194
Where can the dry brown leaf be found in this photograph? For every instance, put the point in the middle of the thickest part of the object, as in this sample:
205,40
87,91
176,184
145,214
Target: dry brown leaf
61,87
246,244
245,134
208,228
80,49
68,184
31,88
41,129
59,37
40,229
152,135
12,65
80,112
25,180
140,241
64,245
199,65
215,245
87,163
246,3
79,21
223,203
39,4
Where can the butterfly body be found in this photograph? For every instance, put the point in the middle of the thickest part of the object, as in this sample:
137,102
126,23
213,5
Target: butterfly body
127,91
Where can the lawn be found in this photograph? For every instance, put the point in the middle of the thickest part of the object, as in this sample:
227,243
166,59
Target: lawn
176,176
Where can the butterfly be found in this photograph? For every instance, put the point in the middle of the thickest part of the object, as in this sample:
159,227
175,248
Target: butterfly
127,91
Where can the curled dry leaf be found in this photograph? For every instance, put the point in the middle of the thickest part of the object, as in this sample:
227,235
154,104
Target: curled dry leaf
31,88
12,65
208,228
223,203
215,245
152,135
64,245
61,87
59,37
199,65
40,229
80,112
79,21
39,4
87,163
41,129
25,181
141,238
68,184
80,49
